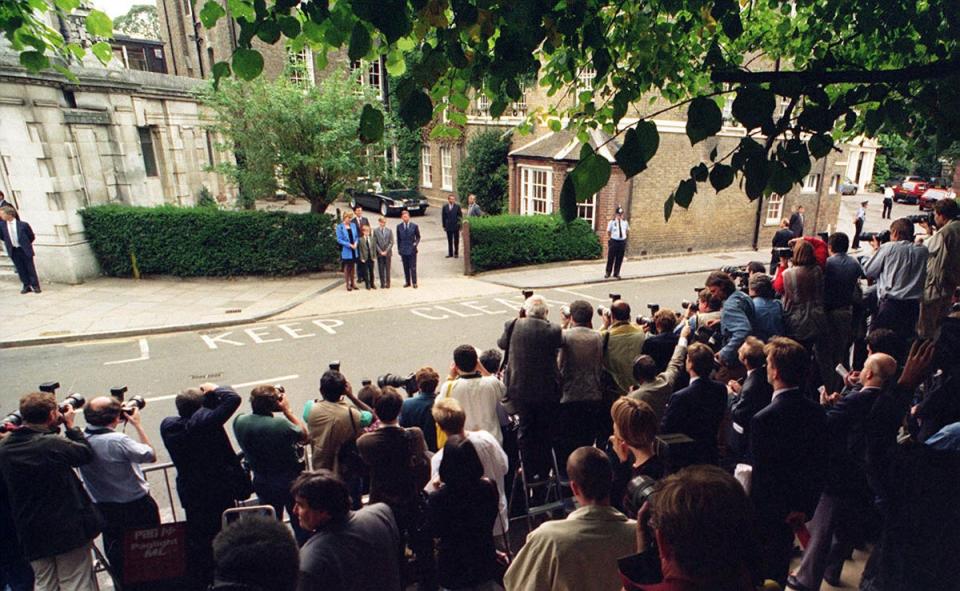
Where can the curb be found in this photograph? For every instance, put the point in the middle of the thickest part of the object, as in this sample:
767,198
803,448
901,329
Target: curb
130,332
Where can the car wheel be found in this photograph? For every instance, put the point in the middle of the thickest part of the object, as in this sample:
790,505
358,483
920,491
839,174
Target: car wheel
383,209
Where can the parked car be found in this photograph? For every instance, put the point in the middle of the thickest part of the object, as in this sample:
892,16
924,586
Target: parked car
931,196
909,191
848,187
390,202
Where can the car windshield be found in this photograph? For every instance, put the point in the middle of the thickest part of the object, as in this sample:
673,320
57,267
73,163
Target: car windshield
402,194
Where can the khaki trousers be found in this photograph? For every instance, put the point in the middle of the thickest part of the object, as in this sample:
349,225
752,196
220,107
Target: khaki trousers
70,571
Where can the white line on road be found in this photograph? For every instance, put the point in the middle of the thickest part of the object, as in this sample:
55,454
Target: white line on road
244,385
580,295
144,354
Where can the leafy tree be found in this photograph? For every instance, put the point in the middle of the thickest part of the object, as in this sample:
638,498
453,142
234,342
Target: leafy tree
141,21
303,141
801,73
484,171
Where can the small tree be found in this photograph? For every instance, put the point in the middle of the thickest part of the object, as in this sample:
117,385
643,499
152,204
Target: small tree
484,171
140,21
304,141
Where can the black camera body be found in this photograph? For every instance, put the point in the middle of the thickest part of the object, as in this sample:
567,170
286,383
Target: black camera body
135,402
639,490
408,383
334,366
922,218
76,401
881,237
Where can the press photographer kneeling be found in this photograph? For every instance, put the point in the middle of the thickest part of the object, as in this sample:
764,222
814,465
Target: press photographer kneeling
114,478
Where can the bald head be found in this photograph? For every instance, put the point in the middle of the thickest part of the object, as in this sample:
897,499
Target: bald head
102,411
878,370
620,311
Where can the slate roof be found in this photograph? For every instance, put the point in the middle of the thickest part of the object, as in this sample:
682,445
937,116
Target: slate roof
564,146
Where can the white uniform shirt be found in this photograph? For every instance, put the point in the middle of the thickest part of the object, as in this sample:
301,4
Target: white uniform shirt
618,229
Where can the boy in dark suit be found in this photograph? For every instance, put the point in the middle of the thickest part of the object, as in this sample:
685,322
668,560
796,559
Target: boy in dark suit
366,252
18,240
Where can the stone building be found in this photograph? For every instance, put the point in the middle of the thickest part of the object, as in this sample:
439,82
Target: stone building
113,135
540,161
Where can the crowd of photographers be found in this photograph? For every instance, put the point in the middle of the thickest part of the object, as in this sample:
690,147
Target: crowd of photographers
815,408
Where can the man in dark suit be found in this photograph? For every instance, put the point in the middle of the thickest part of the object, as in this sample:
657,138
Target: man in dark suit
408,238
18,240
788,451
360,220
451,216
5,203
846,490
796,222
697,410
750,397
530,345
781,239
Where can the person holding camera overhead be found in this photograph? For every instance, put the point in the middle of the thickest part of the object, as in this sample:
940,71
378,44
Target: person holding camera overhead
269,445
55,519
114,478
209,476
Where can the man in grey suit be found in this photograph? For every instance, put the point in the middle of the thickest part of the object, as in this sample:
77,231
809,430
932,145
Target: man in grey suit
581,403
473,210
531,343
383,242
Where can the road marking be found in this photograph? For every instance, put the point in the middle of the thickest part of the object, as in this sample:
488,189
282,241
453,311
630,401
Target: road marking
289,378
580,295
144,354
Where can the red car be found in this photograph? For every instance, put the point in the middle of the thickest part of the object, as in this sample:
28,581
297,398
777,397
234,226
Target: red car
931,196
910,190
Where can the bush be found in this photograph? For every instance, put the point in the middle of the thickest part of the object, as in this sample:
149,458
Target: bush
513,240
189,242
484,171
205,198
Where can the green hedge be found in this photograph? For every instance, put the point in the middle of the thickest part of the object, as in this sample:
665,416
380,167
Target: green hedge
513,240
190,242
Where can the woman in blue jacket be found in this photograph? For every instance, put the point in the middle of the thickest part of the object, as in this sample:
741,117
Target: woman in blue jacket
347,237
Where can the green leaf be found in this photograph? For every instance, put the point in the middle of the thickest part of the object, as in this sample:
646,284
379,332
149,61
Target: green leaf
289,26
704,119
268,32
76,51
211,13
684,193
313,31
555,126
639,146
781,181
820,145
242,9
590,174
66,73
460,101
713,154
568,199
360,42
621,101
103,51
721,177
247,63
220,70
754,106
371,124
67,5
668,208
99,24
34,61
699,173
416,110
31,40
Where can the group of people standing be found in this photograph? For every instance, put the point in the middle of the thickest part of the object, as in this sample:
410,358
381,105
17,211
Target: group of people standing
360,245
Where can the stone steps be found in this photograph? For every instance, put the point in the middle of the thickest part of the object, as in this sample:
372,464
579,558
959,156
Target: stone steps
7,271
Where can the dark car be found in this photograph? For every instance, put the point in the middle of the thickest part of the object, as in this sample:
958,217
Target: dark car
390,202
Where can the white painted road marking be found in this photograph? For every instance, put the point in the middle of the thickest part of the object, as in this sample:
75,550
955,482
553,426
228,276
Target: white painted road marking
580,295
289,378
261,334
144,354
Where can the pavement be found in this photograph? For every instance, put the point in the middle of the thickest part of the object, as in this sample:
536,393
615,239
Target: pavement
104,308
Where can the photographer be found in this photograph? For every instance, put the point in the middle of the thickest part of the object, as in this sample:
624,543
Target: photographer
623,345
736,318
55,520
768,320
209,476
943,266
660,346
900,268
655,388
269,447
706,313
114,478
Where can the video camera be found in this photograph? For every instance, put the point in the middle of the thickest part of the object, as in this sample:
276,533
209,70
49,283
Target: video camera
740,274
127,406
408,383
881,237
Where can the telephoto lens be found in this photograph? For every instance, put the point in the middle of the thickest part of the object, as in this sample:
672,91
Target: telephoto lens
11,421
602,311
75,400
135,402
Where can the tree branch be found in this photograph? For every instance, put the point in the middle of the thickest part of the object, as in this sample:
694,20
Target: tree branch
938,69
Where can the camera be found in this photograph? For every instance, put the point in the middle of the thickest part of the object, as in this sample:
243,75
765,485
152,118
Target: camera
136,402
11,421
334,366
921,218
526,293
74,400
408,383
118,392
603,311
685,304
49,387
881,237
639,490
613,296
647,321
365,382
782,252
708,336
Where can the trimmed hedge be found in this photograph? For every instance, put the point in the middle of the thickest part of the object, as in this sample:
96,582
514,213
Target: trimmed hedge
503,241
189,242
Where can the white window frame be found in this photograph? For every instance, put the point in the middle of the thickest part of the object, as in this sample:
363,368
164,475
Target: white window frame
585,79
426,167
529,177
305,57
835,184
774,210
368,75
587,210
811,184
446,168
483,106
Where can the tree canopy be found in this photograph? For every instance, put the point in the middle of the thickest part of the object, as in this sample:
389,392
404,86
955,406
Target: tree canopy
140,21
801,74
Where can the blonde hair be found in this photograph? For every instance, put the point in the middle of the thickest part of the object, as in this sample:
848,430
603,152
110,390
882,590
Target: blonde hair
449,415
347,215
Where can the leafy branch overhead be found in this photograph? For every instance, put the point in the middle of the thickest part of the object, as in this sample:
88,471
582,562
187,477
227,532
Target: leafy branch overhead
799,76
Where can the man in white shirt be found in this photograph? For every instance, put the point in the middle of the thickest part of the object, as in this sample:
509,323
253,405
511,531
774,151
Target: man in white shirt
478,394
858,222
617,230
450,417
